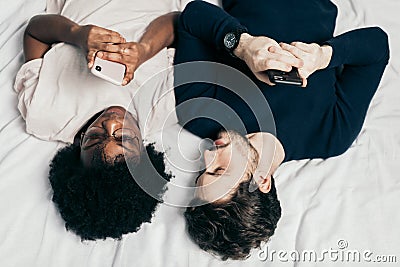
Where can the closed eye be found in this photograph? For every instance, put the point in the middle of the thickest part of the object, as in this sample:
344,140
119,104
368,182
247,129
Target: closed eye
93,139
216,147
217,172
95,136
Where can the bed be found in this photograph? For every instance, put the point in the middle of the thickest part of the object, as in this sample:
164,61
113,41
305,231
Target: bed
342,211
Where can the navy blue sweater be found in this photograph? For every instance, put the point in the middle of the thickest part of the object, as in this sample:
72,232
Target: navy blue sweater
319,121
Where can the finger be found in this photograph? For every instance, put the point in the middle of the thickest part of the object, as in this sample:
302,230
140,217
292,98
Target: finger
128,76
280,51
124,50
109,47
304,83
304,73
109,36
302,46
130,48
288,61
98,34
286,57
264,78
273,49
284,52
90,58
297,52
272,64
116,57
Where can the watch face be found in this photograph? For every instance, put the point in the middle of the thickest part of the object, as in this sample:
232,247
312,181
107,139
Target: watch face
229,40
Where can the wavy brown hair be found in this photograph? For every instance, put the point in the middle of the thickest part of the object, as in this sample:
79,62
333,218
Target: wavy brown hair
231,229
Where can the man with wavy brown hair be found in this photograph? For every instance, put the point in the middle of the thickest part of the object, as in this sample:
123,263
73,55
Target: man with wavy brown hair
339,77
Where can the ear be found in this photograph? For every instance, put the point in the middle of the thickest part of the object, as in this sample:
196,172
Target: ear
264,183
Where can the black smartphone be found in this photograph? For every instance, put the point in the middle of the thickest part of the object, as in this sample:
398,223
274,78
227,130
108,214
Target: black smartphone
292,77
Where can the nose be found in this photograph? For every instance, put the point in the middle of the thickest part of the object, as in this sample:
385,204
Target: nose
110,125
209,157
112,152
220,142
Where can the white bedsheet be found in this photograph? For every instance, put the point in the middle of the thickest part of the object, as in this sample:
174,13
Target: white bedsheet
354,197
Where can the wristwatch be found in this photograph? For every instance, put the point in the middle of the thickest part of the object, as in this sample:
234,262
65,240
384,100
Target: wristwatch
231,40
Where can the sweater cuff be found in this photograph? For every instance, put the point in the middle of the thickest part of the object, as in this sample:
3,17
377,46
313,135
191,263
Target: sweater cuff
338,52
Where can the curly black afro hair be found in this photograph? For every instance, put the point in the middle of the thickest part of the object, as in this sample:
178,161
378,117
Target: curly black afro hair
103,201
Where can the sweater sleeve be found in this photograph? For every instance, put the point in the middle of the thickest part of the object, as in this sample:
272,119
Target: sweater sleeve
208,22
359,47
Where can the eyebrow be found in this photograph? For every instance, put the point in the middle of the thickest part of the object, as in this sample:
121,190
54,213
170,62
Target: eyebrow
88,147
95,144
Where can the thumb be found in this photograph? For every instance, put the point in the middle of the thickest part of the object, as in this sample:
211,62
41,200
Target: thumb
262,76
90,58
304,83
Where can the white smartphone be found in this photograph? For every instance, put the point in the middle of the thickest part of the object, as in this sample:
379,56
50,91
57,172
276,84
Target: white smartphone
110,71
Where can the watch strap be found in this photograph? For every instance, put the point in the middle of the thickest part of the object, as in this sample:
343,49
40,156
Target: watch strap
237,33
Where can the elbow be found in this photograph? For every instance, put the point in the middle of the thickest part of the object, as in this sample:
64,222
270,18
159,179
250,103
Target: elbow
381,40
194,11
28,29
188,13
175,21
195,5
339,151
32,22
338,146
333,152
33,25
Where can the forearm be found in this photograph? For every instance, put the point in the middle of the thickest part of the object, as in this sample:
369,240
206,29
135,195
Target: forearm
45,30
208,22
52,29
359,47
159,34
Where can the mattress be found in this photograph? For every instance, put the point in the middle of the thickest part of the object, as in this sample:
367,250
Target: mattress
343,211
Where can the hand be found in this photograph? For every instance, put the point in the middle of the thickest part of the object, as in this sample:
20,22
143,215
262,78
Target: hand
131,54
263,53
93,38
314,56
